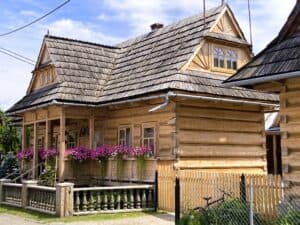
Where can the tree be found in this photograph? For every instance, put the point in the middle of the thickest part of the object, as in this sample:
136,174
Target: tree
9,138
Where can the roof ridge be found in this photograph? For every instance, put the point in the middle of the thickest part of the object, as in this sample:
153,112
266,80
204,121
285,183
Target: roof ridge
80,41
211,11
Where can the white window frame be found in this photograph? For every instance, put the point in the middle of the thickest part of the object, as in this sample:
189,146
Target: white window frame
150,125
124,128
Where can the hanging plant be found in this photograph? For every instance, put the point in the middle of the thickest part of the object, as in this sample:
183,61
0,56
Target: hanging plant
119,151
141,153
102,154
25,154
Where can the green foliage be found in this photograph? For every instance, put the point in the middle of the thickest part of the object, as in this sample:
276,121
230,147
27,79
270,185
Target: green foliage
9,138
47,178
8,165
291,217
120,166
230,212
141,163
103,167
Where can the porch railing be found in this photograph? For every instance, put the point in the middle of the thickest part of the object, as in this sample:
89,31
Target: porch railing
114,199
42,199
12,194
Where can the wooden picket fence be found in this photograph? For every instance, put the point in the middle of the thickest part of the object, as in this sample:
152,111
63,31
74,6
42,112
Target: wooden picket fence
195,185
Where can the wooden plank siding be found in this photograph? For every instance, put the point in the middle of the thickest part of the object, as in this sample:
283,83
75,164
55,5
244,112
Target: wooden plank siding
289,126
220,136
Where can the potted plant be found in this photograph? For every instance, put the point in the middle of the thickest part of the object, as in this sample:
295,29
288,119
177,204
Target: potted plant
102,154
25,156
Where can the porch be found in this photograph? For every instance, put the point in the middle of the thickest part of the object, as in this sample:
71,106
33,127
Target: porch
64,128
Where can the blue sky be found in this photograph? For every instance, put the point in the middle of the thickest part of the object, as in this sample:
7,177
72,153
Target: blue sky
110,22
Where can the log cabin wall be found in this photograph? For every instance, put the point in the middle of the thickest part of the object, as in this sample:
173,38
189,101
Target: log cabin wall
220,137
136,117
290,129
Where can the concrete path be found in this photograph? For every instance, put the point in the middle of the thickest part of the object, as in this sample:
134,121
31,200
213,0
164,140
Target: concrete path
160,219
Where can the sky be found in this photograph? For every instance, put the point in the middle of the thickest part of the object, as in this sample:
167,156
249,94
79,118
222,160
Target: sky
110,22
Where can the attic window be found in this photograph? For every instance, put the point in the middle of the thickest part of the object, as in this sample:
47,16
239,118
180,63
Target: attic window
231,59
219,57
225,58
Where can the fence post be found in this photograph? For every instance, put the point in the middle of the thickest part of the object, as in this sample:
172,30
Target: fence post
64,199
2,181
177,201
25,184
243,188
156,191
251,204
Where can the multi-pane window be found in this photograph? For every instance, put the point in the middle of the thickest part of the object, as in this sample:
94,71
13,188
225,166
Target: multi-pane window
219,57
231,59
124,137
149,137
224,58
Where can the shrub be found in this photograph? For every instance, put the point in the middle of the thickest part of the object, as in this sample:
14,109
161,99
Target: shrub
8,165
291,217
231,212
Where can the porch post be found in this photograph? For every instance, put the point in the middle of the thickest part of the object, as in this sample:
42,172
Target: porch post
92,130
35,155
47,132
61,157
23,139
23,133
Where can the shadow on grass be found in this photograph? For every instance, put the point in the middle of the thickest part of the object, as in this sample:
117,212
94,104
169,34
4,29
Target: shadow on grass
33,215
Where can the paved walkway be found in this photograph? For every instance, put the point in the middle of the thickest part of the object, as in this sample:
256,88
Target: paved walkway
161,219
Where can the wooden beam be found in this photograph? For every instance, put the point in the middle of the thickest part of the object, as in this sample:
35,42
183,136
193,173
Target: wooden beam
61,163
92,130
35,153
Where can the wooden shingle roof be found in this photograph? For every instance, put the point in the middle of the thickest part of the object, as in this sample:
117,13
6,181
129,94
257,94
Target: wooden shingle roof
93,74
279,60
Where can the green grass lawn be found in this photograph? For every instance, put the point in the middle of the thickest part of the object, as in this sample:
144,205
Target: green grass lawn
28,214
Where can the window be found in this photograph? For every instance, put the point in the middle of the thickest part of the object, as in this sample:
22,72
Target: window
231,59
225,58
149,137
124,137
41,143
71,140
219,57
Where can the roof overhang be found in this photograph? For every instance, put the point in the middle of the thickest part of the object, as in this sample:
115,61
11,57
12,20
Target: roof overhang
264,79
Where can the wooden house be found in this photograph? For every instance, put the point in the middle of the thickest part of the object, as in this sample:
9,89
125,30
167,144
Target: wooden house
163,88
276,69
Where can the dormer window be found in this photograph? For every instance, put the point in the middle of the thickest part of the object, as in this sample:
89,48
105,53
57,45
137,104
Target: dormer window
231,59
43,77
219,57
225,58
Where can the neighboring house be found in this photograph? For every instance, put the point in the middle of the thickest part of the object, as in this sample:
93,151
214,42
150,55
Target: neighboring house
276,69
163,88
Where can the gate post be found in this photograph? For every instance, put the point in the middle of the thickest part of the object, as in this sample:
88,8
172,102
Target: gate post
64,199
243,188
156,191
177,201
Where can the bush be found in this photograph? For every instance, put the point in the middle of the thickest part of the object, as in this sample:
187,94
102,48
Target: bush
291,217
231,212
8,165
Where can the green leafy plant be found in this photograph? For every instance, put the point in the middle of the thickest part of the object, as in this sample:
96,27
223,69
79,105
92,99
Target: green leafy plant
9,137
47,177
231,212
291,217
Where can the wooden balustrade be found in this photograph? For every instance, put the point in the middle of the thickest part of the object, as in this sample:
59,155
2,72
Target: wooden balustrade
12,194
42,199
113,199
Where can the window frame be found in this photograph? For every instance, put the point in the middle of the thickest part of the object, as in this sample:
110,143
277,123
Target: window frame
150,125
125,127
225,69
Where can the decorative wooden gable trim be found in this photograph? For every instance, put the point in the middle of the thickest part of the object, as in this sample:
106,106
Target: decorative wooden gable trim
227,24
44,73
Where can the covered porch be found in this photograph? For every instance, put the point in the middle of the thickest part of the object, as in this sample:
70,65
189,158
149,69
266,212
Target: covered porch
66,127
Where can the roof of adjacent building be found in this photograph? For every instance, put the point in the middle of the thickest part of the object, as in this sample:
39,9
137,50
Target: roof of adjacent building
279,60
94,74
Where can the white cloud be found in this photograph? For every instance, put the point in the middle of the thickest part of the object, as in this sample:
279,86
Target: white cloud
78,30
